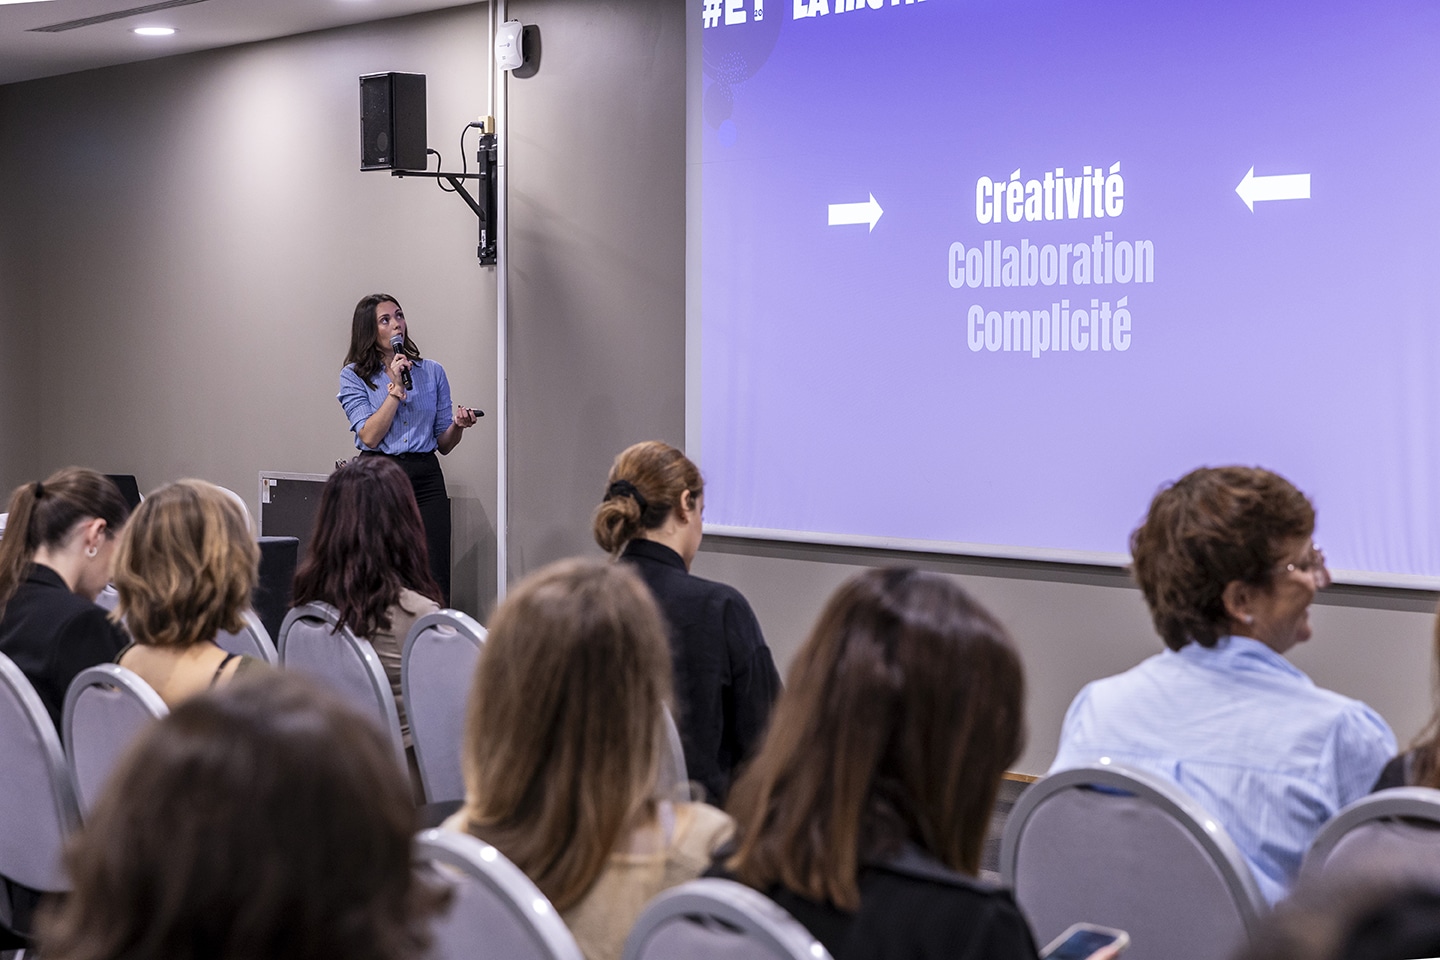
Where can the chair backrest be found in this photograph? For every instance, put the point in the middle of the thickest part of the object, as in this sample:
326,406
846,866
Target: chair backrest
37,801
106,708
437,665
713,919
1393,835
674,781
251,640
313,642
1124,848
496,910
108,598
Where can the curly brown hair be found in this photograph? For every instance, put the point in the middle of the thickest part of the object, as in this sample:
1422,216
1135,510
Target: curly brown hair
1213,526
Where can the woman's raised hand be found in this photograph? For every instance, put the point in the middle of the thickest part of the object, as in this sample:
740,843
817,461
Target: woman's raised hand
395,370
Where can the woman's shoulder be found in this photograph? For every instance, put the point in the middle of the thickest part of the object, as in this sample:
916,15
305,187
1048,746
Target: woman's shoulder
700,830
937,906
415,604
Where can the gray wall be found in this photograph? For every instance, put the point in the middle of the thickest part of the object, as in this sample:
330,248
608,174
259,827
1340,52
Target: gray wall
185,242
597,362
597,259
181,242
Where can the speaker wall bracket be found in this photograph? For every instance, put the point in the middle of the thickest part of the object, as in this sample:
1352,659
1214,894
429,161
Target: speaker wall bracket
486,250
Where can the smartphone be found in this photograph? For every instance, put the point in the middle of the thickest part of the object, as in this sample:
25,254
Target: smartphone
1084,940
475,412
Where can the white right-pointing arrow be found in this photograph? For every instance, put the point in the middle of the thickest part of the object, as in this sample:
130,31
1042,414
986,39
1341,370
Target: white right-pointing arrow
1288,186
844,213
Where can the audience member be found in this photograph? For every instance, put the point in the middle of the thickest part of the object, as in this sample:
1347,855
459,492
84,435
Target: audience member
55,558
563,748
865,811
1228,569
1345,921
725,679
262,820
367,559
184,572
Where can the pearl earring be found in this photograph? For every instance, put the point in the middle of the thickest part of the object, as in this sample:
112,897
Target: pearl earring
1249,618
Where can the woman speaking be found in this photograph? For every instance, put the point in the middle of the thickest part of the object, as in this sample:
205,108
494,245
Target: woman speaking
398,405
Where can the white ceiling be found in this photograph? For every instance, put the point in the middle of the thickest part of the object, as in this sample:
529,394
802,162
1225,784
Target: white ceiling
199,26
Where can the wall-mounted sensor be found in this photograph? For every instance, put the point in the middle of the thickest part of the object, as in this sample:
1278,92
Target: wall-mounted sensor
509,45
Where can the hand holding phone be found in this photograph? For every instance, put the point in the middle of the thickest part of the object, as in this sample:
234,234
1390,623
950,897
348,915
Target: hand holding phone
1086,941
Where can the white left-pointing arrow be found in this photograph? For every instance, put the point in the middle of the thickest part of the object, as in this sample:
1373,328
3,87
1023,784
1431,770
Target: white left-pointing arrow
1289,186
867,212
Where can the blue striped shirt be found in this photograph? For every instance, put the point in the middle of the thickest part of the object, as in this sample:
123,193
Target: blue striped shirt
1246,734
423,416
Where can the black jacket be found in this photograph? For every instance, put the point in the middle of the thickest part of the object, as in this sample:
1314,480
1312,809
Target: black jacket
725,679
914,908
52,634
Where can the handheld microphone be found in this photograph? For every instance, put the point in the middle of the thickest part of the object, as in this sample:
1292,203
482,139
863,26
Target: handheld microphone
397,343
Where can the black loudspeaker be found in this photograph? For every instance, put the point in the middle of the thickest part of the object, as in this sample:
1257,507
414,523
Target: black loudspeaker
392,121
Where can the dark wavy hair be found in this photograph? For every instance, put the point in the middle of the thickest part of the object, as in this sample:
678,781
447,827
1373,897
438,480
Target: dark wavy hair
900,713
364,350
263,819
368,545
1213,526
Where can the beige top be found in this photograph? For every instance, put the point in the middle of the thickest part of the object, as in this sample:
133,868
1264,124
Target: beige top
388,643
602,919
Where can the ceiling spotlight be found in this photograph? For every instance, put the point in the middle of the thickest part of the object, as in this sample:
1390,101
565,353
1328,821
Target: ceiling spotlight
154,31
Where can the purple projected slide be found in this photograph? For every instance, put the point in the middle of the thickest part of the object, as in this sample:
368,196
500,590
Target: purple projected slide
989,273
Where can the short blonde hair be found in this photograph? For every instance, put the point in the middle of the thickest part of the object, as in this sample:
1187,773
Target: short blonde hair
186,566
562,741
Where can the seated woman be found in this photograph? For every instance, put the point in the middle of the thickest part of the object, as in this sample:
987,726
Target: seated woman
55,558
184,572
563,747
262,820
1227,567
865,811
725,679
367,559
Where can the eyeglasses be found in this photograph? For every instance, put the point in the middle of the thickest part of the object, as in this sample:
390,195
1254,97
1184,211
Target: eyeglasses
1313,566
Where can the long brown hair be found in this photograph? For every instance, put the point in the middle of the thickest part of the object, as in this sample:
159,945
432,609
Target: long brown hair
43,515
368,545
646,483
562,742
186,566
364,350
1425,748
262,819
900,713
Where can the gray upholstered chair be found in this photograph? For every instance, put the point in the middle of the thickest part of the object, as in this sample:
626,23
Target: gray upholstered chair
1127,849
251,640
106,708
1393,835
496,911
437,665
313,642
712,919
673,782
37,802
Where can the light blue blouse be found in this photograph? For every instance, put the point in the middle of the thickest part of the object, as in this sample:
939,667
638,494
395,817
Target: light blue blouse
1246,734
423,416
